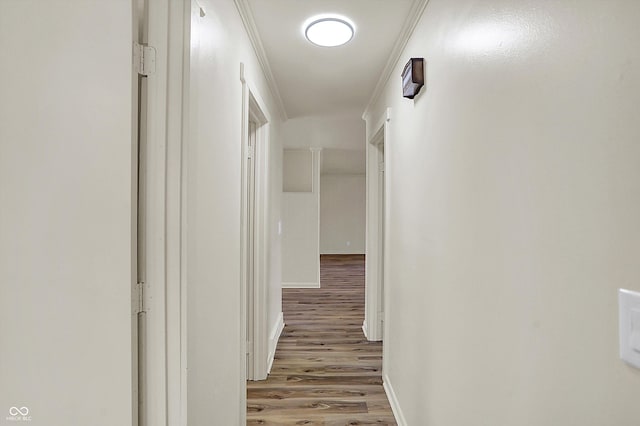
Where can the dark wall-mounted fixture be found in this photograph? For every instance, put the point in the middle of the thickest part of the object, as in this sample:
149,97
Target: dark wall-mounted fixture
413,77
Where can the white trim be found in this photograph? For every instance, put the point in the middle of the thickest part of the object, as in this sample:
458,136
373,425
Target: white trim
261,343
154,405
254,110
373,281
179,41
181,412
364,329
316,153
243,258
393,401
273,340
244,9
301,285
168,99
136,356
386,117
417,9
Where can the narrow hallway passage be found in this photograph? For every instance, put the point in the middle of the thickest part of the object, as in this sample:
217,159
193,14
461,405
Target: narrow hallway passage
325,371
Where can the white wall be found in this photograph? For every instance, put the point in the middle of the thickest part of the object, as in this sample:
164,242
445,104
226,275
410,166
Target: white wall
219,45
66,228
301,227
344,161
275,231
514,198
297,170
342,214
300,240
344,130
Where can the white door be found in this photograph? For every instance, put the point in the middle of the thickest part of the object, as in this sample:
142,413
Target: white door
67,212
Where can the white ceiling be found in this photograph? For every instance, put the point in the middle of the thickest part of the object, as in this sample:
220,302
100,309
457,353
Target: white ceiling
316,80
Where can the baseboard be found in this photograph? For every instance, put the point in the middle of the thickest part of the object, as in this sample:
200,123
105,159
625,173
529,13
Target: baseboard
273,340
300,285
364,329
393,401
344,253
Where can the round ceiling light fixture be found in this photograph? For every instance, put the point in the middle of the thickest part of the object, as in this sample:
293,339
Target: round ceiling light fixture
329,30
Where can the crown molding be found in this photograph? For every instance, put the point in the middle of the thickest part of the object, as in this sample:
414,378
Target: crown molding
417,9
244,9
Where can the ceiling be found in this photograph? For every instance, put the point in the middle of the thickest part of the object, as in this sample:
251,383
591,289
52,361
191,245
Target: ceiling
314,80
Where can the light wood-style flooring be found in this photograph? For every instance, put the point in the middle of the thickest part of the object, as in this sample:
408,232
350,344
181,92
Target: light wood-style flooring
325,371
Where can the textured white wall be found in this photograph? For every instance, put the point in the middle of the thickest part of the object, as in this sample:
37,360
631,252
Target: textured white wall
344,130
66,228
514,202
219,45
342,214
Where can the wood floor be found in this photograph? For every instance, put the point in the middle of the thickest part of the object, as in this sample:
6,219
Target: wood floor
325,372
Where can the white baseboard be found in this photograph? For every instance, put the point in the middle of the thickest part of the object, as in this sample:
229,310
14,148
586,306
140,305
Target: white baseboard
273,340
364,329
393,401
300,285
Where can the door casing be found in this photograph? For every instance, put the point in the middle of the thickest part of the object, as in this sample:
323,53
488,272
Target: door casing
254,285
377,255
163,363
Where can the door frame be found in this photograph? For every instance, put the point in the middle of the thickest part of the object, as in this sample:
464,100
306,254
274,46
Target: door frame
138,98
164,294
254,110
377,254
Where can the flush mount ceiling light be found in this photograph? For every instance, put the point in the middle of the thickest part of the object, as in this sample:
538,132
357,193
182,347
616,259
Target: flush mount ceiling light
328,30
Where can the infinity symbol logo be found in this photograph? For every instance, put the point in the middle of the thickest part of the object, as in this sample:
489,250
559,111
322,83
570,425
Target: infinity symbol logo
14,411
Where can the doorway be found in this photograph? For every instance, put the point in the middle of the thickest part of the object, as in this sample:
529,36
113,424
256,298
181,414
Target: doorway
255,238
381,231
377,217
250,248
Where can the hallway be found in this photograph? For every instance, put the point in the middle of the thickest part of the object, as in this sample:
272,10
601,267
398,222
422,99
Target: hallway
325,372
170,170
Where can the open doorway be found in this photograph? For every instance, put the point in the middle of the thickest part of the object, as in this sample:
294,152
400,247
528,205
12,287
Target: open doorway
255,238
377,208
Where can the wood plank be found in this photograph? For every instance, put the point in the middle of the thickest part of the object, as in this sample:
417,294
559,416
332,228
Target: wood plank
325,372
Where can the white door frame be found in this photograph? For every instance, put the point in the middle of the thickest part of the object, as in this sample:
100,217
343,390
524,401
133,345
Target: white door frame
255,111
138,97
376,252
165,236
